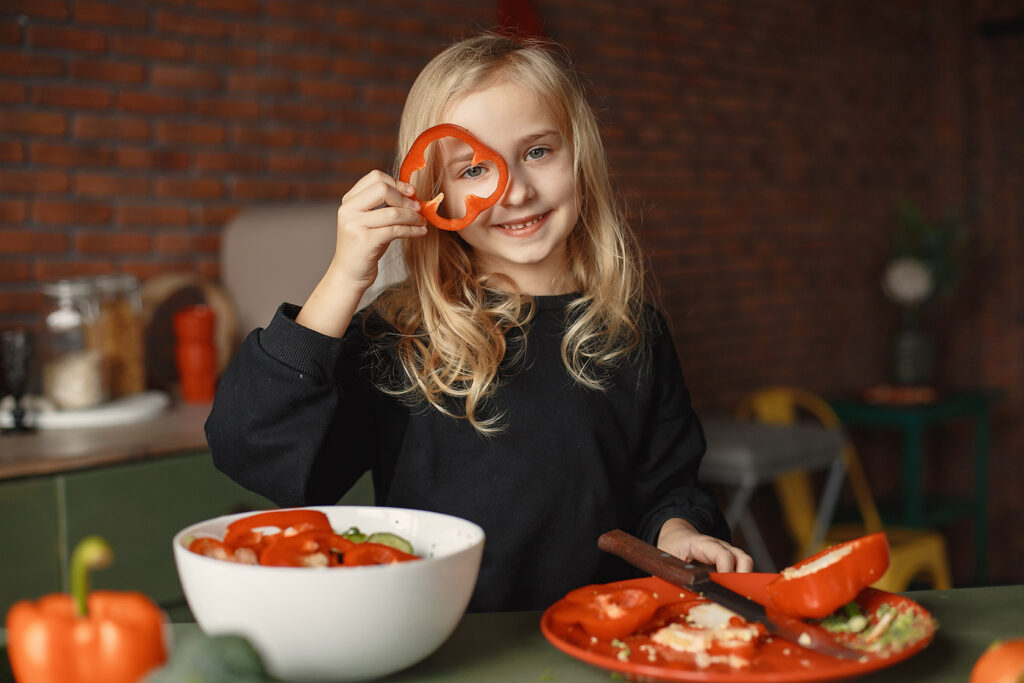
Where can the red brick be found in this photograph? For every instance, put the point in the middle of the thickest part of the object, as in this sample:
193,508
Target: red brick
109,14
149,103
297,163
82,266
189,133
107,70
13,211
188,24
46,9
10,32
330,90
20,241
257,83
66,38
318,12
37,182
12,150
249,7
65,154
289,61
75,97
15,301
70,213
110,185
29,64
265,138
194,188
307,113
89,242
224,55
149,159
90,127
149,46
33,122
233,108
13,92
329,190
263,190
229,162
15,271
185,243
184,78
217,215
146,215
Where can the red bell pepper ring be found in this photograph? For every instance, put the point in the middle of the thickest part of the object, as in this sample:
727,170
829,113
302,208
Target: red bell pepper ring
367,553
821,584
606,612
299,550
242,532
475,205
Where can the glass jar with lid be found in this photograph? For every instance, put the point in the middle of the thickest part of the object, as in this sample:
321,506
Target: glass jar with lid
120,334
71,362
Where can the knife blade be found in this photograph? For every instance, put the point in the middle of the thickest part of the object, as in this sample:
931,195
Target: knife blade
696,578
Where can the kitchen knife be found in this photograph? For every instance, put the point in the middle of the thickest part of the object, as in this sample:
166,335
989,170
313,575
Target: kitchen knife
696,578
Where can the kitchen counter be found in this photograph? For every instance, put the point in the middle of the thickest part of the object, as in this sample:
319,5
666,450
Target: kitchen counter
176,430
509,647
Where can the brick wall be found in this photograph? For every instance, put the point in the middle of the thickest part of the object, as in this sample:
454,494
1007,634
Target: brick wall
762,148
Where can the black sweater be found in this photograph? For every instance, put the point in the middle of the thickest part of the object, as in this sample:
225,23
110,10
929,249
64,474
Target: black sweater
298,418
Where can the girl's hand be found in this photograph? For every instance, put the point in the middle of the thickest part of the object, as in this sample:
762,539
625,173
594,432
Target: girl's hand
375,212
681,539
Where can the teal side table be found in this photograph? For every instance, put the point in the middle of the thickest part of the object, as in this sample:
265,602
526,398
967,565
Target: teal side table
913,421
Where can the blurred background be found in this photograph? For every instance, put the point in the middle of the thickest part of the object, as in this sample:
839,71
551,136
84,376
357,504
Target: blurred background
777,157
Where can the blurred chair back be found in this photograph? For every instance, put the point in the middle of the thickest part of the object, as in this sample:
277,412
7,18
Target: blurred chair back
913,552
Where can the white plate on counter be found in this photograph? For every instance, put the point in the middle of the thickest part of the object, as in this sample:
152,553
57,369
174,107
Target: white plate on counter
41,415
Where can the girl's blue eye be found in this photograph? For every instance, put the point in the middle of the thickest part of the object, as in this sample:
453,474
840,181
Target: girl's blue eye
537,153
473,172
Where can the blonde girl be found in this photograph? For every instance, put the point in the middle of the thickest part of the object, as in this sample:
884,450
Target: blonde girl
515,376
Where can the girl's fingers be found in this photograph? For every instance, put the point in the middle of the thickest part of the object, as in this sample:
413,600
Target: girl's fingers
377,188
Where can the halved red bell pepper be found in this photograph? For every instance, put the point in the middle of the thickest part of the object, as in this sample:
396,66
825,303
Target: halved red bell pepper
242,532
374,553
298,550
416,159
97,637
605,611
824,582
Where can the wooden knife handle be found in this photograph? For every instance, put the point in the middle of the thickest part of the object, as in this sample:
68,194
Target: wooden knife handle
656,562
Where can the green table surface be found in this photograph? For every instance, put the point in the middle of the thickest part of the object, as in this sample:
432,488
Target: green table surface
509,647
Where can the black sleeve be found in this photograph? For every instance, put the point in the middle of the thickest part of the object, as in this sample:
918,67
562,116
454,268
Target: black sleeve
674,449
280,425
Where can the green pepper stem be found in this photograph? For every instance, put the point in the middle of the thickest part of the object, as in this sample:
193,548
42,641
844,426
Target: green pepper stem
92,552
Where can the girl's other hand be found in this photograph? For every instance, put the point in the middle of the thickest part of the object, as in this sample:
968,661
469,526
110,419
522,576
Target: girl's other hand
374,213
681,539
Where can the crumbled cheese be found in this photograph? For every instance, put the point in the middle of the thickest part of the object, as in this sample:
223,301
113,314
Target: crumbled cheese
804,639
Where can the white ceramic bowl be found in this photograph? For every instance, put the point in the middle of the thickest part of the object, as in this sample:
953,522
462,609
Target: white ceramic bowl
340,624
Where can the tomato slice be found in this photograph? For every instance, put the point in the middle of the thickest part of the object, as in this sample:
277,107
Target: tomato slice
606,612
367,553
824,582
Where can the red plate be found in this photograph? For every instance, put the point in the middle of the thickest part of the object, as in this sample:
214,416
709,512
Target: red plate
777,661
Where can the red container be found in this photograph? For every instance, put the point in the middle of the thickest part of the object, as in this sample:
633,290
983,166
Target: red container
195,353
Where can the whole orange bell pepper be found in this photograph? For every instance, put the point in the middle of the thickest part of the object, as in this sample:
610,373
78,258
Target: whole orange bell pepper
98,637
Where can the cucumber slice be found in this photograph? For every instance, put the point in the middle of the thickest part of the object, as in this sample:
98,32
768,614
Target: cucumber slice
393,540
354,534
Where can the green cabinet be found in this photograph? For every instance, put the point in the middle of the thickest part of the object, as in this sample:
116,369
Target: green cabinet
137,507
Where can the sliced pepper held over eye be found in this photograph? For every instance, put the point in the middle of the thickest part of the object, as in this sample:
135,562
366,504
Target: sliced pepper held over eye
475,205
821,584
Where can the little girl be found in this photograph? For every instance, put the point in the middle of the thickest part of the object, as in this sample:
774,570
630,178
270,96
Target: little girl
515,377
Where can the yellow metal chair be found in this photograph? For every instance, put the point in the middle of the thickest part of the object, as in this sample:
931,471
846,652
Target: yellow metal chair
913,552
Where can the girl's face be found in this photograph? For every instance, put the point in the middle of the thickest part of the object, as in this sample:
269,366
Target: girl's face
524,235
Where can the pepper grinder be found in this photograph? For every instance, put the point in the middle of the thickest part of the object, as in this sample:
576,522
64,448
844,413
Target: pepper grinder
196,353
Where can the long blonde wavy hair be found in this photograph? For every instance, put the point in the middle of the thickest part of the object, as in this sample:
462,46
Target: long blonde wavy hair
452,320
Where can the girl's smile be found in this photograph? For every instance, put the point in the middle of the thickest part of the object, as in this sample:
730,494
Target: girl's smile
524,235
